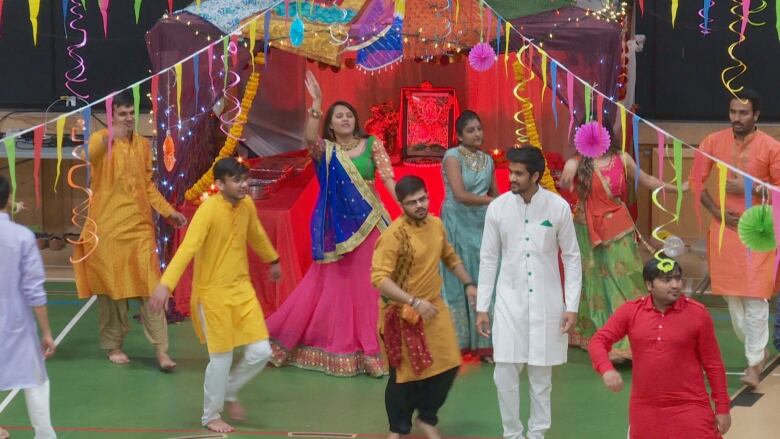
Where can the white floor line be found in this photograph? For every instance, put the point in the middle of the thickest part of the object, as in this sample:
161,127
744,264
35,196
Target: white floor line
60,337
743,373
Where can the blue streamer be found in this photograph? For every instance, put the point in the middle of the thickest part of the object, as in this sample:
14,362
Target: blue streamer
65,16
266,36
748,183
498,35
706,13
554,87
635,129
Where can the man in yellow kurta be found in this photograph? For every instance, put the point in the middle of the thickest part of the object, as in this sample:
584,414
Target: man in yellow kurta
224,308
418,332
116,257
745,279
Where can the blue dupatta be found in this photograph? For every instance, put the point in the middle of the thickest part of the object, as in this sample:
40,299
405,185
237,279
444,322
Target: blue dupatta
347,209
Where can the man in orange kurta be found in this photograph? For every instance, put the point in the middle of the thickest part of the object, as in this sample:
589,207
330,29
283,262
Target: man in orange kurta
745,279
116,257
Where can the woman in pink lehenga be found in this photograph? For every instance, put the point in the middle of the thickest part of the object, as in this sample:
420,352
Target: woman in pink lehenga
329,322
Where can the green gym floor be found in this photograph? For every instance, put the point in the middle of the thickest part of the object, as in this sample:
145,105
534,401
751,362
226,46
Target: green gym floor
91,398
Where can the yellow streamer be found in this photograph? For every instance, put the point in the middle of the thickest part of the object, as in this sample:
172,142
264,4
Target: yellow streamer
527,132
35,7
544,74
507,29
60,131
197,5
722,175
79,214
623,134
675,5
252,38
177,69
194,193
735,71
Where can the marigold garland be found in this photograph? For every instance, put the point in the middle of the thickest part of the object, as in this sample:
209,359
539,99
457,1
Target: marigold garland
527,133
206,181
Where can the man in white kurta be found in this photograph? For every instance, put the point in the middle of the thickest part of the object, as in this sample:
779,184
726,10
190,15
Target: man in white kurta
524,229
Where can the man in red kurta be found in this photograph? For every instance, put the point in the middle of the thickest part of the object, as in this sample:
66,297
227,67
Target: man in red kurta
745,280
672,340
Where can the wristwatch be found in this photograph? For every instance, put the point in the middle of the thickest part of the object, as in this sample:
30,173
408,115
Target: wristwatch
469,284
315,113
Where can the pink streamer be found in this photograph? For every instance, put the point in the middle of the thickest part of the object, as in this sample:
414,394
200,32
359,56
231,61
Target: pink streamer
104,13
570,97
600,108
228,117
1,12
776,223
110,121
37,148
170,6
234,54
76,75
153,92
210,56
745,15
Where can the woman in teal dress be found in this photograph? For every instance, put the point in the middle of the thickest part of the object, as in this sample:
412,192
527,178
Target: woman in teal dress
470,185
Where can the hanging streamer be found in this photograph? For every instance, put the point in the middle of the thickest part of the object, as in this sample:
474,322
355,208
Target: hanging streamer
554,89
37,149
675,5
210,60
76,74
544,71
110,122
635,132
777,25
507,29
137,8
266,32
661,156
234,54
136,105
197,5
745,16
10,153
170,6
678,165
642,7
704,13
747,183
588,97
733,72
252,38
776,221
60,132
570,98
177,69
600,108
196,78
623,127
35,7
104,13
65,15
153,92
87,116
722,175
225,58
84,4
1,12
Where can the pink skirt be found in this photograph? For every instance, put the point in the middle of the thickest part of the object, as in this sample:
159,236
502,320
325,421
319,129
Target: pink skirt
329,322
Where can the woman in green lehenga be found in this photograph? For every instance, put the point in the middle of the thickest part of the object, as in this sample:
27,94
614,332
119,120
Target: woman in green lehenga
470,186
611,264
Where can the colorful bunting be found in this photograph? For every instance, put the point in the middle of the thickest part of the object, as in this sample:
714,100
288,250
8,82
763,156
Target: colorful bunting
87,115
136,105
675,5
600,108
226,69
37,150
252,39
10,153
776,221
544,71
570,98
554,89
170,6
60,132
745,16
1,12
196,78
777,26
110,121
153,90
104,12
678,165
722,175
137,7
635,132
266,31
623,127
747,184
588,97
177,69
210,56
35,7
661,155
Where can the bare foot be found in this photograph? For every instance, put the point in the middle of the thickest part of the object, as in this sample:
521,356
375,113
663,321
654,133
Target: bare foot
116,356
235,410
4,434
219,426
430,431
166,363
752,376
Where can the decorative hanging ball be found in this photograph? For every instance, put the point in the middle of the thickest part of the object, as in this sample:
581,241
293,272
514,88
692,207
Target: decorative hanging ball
482,57
756,229
592,140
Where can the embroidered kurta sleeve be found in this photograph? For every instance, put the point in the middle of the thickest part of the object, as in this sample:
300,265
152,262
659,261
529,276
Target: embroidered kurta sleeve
383,263
489,254
614,330
32,274
258,239
382,160
570,254
448,255
709,352
193,241
157,201
316,150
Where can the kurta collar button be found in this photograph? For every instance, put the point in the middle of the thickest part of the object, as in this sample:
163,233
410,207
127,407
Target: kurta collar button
528,255
526,221
527,238
530,290
529,273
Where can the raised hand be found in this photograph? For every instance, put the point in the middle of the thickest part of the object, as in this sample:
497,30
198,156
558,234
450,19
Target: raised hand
314,88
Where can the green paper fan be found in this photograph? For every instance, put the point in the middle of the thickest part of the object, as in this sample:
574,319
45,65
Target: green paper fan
756,229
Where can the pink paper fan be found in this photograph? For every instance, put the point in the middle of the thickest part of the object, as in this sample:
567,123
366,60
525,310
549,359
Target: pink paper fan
591,140
482,57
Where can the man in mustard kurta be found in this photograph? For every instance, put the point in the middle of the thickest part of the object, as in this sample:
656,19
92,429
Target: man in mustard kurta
418,332
116,256
224,308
